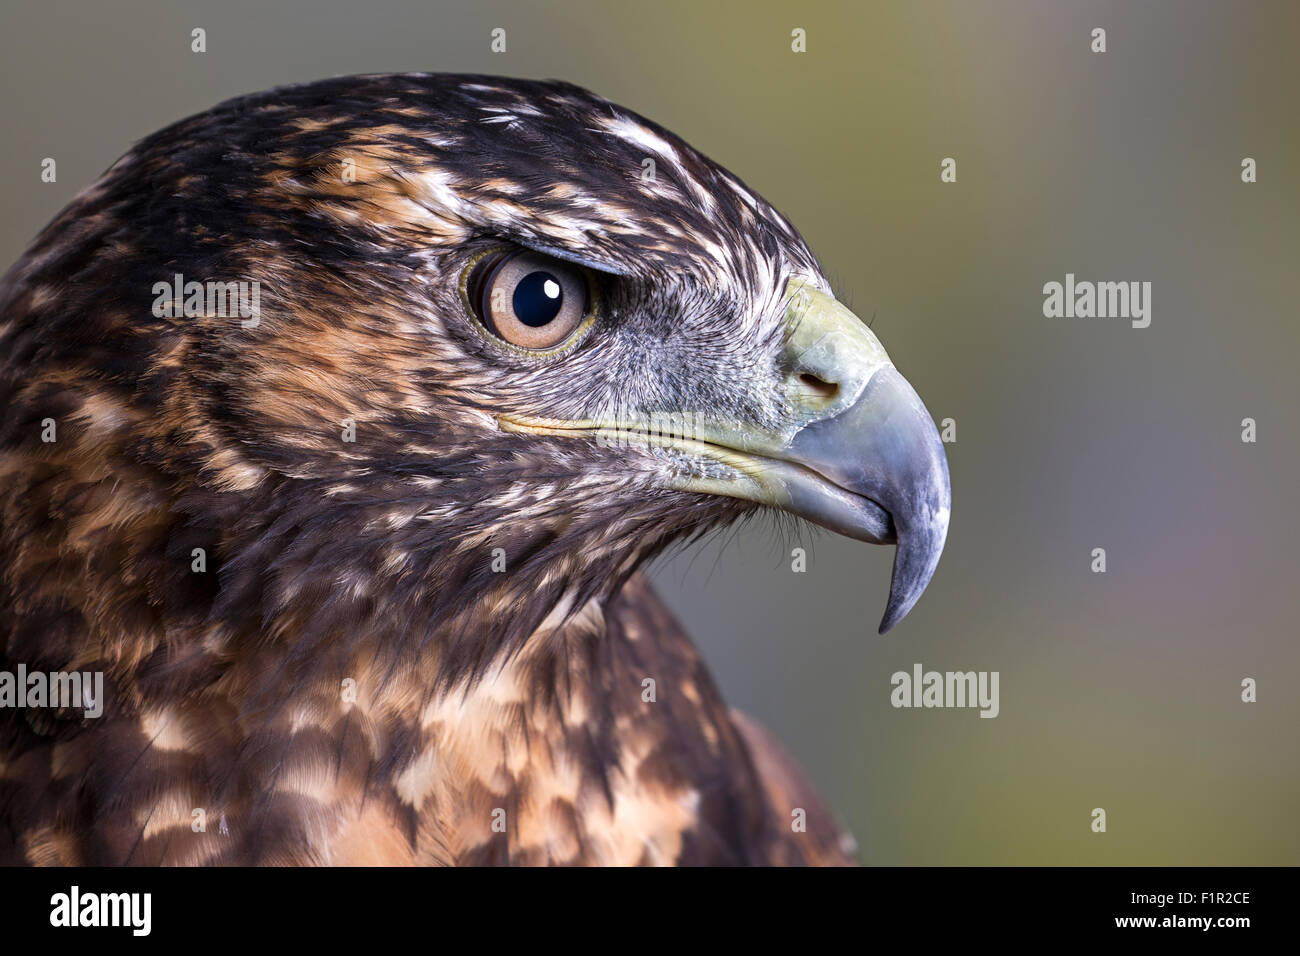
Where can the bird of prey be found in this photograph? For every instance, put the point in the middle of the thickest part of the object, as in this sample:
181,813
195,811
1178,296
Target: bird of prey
335,425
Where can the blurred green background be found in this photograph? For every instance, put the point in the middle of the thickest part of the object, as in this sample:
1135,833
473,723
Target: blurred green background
1118,690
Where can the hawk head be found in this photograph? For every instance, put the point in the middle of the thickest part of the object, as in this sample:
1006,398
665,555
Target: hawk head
485,325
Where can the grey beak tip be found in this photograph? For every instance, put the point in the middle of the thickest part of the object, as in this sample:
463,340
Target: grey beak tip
901,601
897,607
920,545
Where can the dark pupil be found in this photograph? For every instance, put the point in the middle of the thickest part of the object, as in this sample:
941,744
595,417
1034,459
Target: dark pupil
537,299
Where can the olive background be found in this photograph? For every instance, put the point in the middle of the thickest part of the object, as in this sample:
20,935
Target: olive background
1118,690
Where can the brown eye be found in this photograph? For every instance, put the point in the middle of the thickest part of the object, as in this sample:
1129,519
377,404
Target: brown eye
530,300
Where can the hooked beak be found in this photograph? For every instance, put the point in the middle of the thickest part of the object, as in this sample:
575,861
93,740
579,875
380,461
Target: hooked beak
857,451
888,482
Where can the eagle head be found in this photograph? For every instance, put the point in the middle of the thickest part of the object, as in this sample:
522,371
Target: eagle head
370,342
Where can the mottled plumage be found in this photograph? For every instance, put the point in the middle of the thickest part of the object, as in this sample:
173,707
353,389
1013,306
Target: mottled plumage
353,678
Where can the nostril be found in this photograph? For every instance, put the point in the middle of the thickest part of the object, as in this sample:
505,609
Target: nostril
819,387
